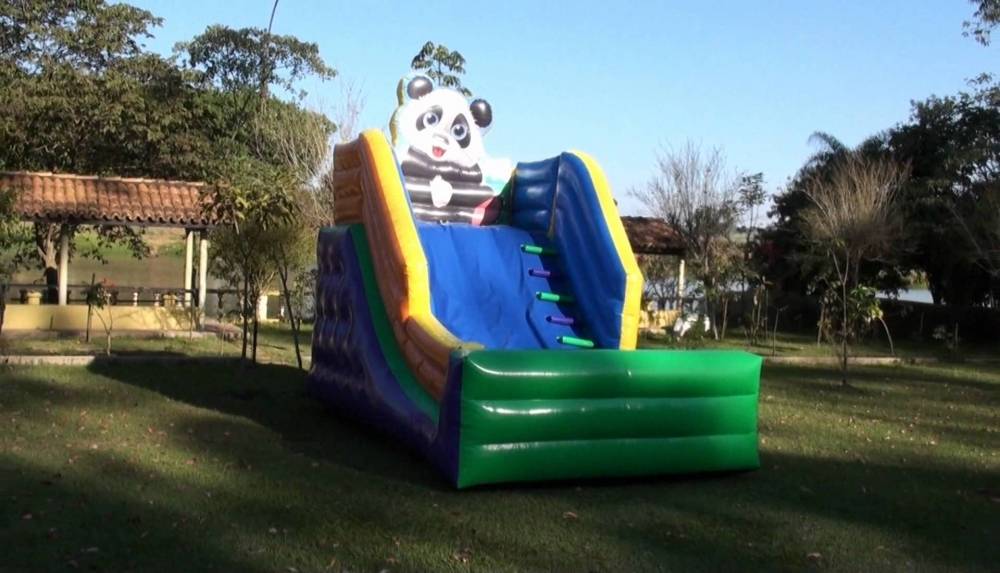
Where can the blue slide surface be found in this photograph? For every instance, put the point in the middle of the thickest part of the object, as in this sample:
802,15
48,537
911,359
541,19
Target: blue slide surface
485,287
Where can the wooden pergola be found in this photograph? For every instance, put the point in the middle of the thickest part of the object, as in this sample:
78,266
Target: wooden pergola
65,199
652,236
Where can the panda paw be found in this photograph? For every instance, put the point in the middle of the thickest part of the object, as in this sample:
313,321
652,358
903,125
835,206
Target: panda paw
440,191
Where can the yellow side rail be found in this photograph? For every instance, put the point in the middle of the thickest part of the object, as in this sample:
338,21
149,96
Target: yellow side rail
632,307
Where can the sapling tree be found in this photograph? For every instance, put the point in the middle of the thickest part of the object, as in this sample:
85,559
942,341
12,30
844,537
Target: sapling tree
854,216
249,202
99,304
445,67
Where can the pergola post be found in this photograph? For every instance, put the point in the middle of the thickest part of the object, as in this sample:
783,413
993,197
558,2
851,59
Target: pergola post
203,270
680,284
188,265
63,267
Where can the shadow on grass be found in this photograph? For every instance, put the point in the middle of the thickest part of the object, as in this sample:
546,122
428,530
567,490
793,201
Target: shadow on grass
274,397
78,519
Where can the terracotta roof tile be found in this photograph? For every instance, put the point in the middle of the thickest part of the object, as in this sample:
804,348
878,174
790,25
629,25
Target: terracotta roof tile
90,199
652,236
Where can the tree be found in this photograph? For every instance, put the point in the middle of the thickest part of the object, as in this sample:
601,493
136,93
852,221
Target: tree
696,195
99,302
80,96
299,143
290,249
659,279
952,145
14,246
248,202
88,35
266,213
984,20
348,111
784,251
853,217
445,67
751,197
246,63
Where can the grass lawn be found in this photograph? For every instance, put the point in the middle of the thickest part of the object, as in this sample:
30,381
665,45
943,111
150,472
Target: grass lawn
274,344
799,344
209,467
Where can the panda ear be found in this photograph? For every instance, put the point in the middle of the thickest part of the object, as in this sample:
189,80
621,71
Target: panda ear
482,113
419,87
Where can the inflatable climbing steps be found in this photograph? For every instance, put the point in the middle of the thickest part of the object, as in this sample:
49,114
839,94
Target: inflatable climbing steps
506,352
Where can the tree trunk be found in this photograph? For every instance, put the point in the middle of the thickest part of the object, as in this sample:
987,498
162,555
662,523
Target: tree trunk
725,317
892,348
111,327
3,304
256,322
90,307
283,275
243,315
819,325
843,327
774,335
47,244
710,312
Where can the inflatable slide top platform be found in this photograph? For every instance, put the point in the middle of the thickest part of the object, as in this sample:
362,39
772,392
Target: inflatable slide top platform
506,352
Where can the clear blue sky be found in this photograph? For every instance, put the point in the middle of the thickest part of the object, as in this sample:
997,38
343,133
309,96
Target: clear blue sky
620,80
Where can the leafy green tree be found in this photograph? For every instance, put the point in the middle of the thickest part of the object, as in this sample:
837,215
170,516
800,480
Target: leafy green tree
268,217
299,142
250,204
15,243
290,249
91,35
445,67
984,20
80,96
246,63
952,145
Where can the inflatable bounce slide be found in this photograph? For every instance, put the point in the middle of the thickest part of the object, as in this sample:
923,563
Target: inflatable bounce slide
486,315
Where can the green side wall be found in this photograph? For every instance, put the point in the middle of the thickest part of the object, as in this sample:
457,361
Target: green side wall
550,415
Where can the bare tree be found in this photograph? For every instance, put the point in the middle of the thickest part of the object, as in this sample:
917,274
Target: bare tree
347,113
696,194
854,216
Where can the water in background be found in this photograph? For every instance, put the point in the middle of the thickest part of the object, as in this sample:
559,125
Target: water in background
912,295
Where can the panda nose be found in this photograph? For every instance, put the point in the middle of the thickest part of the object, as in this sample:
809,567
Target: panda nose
442,139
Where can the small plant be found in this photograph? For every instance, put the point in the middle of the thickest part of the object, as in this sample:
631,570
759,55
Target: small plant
100,302
755,322
949,339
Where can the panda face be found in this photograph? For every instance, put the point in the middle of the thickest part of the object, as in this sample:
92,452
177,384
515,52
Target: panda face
441,125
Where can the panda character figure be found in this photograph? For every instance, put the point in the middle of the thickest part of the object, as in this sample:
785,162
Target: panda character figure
438,138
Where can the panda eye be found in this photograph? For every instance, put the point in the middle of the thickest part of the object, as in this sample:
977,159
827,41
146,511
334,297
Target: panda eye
429,118
460,131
